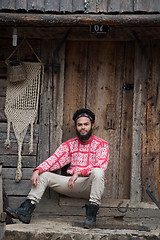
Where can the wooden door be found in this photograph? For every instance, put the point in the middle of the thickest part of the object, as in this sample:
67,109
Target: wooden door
95,77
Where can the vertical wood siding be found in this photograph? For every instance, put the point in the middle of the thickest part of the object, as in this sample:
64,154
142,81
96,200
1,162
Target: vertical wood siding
151,133
83,6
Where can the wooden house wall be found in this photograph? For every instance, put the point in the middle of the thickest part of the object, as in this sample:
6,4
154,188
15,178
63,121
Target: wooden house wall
91,73
82,6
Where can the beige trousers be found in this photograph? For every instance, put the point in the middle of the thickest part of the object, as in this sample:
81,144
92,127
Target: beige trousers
91,187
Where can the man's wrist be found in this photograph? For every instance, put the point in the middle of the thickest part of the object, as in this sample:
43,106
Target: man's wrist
79,173
37,170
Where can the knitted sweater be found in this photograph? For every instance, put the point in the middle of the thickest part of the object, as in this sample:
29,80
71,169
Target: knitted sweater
82,157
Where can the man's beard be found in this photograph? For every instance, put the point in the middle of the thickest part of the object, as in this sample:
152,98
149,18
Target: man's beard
84,137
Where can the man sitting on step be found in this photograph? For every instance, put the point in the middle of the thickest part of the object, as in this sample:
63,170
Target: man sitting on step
88,159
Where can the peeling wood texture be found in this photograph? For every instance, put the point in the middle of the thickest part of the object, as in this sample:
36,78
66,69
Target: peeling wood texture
83,6
79,19
151,133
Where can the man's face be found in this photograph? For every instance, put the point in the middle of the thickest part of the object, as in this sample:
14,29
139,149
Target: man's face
84,128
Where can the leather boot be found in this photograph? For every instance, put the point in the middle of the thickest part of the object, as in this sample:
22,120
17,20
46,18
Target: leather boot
91,212
23,213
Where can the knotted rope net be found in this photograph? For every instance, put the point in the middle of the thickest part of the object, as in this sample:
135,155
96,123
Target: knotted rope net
21,108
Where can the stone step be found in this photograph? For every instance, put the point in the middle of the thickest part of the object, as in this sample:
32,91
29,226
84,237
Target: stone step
40,229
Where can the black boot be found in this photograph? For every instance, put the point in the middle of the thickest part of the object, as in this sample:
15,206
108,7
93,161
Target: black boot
91,212
23,213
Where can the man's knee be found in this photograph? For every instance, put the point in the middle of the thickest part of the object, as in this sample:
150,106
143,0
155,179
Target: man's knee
44,177
98,173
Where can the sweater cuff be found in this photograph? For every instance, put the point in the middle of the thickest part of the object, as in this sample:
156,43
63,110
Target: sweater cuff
38,168
84,172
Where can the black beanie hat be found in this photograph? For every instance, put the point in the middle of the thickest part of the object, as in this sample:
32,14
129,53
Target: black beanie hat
84,112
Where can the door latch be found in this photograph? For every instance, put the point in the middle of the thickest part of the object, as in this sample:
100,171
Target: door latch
128,86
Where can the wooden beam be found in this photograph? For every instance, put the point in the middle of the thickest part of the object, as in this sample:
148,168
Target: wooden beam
80,19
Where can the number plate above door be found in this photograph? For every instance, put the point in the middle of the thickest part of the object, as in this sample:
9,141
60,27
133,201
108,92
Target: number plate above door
99,28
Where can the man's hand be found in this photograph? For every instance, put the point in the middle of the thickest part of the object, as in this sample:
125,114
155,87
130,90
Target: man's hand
73,179
35,178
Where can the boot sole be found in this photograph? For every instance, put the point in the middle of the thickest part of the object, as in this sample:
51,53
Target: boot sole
13,215
89,227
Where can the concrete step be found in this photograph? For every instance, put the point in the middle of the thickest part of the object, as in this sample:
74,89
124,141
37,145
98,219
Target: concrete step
40,229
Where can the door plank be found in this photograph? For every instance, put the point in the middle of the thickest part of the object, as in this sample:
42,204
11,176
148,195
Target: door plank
126,121
75,84
139,82
150,147
103,89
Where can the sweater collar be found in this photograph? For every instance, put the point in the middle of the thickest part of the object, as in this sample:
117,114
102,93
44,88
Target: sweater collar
85,143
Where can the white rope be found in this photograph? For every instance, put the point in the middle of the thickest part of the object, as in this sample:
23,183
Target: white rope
19,164
31,140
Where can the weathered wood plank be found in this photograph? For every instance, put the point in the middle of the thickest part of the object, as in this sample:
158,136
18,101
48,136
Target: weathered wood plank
147,6
3,128
139,78
53,6
78,6
154,6
127,6
118,33
151,134
14,149
3,133
11,161
75,84
3,70
1,189
3,85
111,211
3,137
17,189
21,4
107,203
102,6
91,7
44,109
10,173
103,86
126,121
35,5
79,19
56,116
114,6
66,6
7,4
141,5
2,105
15,202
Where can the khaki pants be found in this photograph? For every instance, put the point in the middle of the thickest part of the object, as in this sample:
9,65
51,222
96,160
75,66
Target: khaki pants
91,187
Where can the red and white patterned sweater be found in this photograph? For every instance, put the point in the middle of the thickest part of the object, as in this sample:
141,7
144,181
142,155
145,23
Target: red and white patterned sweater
82,157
